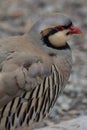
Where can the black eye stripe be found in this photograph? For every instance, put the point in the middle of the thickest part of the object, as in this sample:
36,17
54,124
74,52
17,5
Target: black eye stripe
59,28
53,31
68,25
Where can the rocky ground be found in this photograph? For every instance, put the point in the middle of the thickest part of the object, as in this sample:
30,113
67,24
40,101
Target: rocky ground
16,17
74,124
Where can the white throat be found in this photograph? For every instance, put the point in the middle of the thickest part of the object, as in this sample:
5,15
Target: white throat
59,39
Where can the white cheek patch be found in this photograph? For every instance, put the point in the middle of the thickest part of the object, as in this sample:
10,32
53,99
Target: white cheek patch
59,38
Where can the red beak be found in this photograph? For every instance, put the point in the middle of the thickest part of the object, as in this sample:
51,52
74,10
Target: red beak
75,30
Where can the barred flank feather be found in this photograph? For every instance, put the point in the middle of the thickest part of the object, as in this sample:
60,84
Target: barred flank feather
34,68
34,106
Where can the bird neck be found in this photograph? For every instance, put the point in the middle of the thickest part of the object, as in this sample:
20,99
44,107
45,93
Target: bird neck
62,55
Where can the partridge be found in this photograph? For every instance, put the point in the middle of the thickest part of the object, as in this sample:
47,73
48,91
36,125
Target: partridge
34,69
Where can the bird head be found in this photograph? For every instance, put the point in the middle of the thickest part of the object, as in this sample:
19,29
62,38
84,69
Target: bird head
55,29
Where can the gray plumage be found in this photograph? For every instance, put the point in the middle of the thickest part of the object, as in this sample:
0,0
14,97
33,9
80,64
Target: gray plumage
32,74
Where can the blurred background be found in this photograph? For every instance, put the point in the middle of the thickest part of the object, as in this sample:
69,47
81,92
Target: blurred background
17,16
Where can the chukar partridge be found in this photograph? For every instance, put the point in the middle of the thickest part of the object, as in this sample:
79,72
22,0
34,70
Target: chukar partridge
34,69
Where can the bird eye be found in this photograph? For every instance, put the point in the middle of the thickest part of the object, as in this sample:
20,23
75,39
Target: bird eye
59,28
66,26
